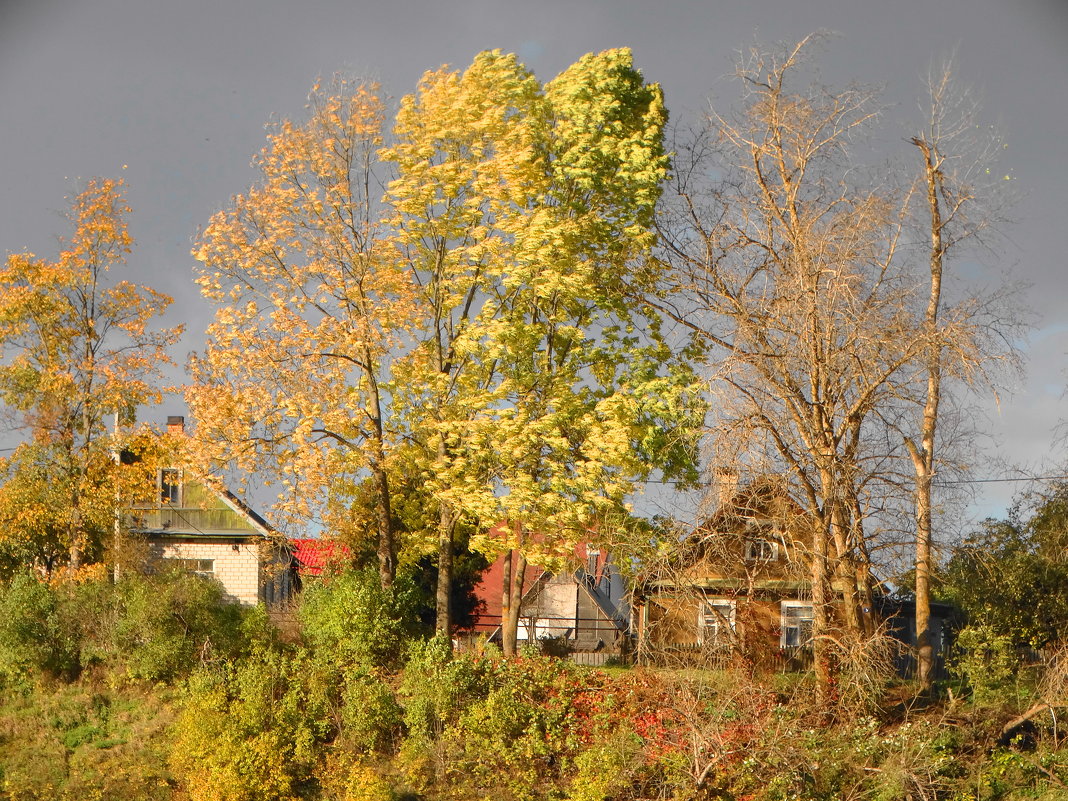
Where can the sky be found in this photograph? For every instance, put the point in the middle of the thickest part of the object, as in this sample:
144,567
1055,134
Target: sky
174,96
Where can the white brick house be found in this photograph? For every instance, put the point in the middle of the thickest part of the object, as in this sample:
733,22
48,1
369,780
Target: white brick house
212,533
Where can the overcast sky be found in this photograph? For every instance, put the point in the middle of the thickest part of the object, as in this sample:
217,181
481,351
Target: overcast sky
173,96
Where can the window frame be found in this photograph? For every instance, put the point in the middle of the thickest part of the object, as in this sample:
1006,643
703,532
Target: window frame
706,611
772,546
205,568
170,492
795,623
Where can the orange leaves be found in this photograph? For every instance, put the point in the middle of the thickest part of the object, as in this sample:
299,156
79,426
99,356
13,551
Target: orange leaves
309,306
78,347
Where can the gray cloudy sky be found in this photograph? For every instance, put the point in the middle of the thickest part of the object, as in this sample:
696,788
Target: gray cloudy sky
179,91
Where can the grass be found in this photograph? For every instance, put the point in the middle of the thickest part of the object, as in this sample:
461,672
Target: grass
80,741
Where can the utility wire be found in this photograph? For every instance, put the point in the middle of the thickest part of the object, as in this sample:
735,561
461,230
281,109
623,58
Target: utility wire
945,483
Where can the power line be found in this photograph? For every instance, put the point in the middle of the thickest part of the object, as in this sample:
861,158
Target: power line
936,483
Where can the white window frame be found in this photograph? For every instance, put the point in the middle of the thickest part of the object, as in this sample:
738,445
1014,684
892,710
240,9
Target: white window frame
707,614
794,622
772,546
164,474
205,568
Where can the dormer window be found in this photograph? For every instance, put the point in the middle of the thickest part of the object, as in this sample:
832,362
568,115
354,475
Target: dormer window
761,550
170,486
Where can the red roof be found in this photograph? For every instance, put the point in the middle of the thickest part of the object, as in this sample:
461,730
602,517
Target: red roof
489,588
315,555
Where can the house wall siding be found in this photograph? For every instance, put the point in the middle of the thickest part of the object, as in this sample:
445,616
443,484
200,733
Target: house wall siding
671,624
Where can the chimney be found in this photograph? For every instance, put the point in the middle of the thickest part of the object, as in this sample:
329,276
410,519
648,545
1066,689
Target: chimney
725,485
176,424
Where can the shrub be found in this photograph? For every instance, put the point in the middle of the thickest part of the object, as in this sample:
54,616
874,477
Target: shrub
250,730
34,636
371,718
349,620
987,661
437,688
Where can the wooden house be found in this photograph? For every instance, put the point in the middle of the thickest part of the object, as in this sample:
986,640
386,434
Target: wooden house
738,587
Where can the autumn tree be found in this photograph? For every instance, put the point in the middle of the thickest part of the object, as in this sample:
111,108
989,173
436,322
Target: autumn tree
311,310
79,350
788,267
538,383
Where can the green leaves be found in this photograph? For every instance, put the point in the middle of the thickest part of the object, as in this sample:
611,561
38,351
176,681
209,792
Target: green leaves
526,212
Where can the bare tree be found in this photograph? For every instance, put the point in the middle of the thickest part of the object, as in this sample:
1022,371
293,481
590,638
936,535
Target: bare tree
788,269
962,203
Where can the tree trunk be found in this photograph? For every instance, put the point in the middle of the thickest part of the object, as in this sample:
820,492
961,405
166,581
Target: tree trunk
821,660
443,603
923,456
383,518
513,592
844,577
387,552
924,648
821,624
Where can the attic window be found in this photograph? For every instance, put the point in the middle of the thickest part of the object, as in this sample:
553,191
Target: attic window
761,550
170,486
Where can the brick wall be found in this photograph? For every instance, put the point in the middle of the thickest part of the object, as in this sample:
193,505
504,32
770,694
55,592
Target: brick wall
235,565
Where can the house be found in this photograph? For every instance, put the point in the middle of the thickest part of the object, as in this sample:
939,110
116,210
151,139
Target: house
738,587
583,608
210,532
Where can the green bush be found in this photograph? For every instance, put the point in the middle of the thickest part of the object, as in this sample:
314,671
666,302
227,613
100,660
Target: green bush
371,718
167,624
519,738
144,628
349,620
35,637
252,730
437,688
987,661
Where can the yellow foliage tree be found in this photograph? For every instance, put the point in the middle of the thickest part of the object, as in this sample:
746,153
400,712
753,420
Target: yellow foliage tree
309,313
538,383
78,348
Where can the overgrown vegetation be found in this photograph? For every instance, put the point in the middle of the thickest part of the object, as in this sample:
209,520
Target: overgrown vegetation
480,361
373,711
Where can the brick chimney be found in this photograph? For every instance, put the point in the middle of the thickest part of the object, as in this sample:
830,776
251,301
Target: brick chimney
176,425
725,485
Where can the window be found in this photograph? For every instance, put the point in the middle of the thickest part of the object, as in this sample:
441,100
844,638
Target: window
715,622
796,624
761,550
592,555
196,567
170,486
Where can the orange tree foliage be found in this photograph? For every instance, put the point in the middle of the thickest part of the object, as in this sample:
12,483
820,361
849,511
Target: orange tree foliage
309,313
77,348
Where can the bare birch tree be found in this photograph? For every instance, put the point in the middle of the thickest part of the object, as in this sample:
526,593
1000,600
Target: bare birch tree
961,202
